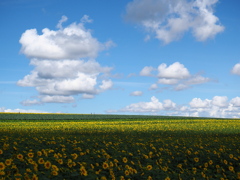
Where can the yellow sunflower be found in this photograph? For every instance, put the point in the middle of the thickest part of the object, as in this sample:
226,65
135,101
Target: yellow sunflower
60,161
8,162
196,159
47,165
149,167
30,154
231,168
20,156
125,160
105,165
41,161
54,173
126,172
83,171
2,166
34,177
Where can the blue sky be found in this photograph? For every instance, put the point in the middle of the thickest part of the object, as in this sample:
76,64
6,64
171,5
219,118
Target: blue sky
121,57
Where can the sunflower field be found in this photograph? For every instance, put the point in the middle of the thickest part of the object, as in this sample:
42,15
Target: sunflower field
138,149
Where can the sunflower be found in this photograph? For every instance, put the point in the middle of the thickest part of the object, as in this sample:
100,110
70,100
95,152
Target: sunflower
179,165
30,154
210,162
39,153
55,168
111,164
34,177
20,156
83,171
41,161
2,166
196,159
47,165
60,161
74,155
167,178
231,168
126,172
103,178
1,151
125,160
2,173
54,173
149,178
105,165
149,167
28,170
8,162
165,168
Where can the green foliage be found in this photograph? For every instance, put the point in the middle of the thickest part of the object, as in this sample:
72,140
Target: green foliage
134,149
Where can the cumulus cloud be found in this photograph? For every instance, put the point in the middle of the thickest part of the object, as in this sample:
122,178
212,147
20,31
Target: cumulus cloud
175,75
173,71
169,20
153,106
71,42
64,63
136,93
218,106
199,103
235,101
236,69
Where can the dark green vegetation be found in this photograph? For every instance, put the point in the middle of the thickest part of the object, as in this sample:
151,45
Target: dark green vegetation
86,117
118,147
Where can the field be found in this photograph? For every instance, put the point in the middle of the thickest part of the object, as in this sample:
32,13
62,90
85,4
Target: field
34,146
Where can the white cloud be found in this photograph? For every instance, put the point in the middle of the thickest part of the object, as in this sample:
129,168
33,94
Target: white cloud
235,101
176,75
146,71
30,102
153,106
197,80
153,87
71,42
62,20
57,99
3,109
86,19
60,72
173,71
220,101
218,106
106,84
169,20
236,69
66,77
199,103
87,96
136,93
169,104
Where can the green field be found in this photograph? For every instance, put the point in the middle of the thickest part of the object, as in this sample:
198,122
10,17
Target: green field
58,146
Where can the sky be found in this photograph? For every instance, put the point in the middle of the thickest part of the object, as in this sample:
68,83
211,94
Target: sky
149,57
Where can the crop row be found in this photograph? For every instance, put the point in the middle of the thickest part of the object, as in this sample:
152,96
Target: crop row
82,117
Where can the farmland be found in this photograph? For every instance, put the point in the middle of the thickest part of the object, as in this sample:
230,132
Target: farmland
34,146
